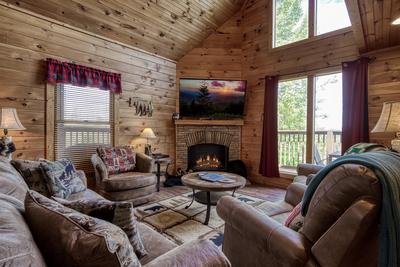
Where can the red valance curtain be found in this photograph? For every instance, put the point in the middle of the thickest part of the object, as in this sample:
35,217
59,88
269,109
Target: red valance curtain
69,73
269,149
355,103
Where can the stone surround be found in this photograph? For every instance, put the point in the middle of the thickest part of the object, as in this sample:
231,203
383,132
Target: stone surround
188,135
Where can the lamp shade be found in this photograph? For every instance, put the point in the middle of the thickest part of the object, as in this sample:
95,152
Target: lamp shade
148,133
10,120
389,121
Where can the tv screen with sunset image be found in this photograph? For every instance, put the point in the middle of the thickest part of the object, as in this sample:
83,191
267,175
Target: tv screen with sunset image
213,99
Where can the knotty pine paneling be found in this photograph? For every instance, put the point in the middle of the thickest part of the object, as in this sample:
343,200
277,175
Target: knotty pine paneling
26,41
219,56
384,85
167,28
259,60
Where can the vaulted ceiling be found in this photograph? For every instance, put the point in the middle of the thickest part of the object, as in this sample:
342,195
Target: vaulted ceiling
371,20
169,28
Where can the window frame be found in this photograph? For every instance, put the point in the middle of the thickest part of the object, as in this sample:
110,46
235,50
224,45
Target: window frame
312,29
310,113
50,96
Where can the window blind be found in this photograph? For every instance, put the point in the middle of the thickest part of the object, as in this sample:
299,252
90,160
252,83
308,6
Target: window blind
83,121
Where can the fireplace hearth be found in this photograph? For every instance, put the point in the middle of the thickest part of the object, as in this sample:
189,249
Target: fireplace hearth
208,157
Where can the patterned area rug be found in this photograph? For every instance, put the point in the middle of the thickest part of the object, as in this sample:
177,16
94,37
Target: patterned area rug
171,218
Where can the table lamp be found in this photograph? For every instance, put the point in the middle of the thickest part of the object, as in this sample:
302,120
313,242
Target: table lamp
389,122
148,134
9,121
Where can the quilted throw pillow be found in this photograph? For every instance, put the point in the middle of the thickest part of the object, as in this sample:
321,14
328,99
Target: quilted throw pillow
69,238
295,219
120,214
62,178
32,174
117,159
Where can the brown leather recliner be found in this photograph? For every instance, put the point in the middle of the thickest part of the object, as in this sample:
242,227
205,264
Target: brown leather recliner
340,228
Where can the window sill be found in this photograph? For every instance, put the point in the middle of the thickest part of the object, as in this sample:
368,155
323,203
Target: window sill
287,173
312,39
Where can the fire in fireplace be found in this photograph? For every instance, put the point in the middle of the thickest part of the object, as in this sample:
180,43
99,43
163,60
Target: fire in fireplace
207,157
208,162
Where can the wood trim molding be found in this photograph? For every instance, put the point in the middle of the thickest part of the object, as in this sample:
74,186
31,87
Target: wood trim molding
310,118
355,18
210,122
50,118
115,112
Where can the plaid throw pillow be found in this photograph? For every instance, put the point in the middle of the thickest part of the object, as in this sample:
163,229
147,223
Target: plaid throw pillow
295,219
117,159
62,178
120,214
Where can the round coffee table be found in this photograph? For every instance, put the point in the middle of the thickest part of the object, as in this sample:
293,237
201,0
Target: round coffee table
210,192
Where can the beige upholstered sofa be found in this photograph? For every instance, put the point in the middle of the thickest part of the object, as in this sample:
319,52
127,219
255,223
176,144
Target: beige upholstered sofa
18,248
340,228
137,186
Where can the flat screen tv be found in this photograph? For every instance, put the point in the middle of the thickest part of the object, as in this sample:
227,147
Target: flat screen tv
211,99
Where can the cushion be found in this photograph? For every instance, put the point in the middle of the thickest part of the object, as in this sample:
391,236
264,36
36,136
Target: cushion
32,174
62,178
156,244
120,214
128,180
117,159
18,247
295,219
364,147
69,238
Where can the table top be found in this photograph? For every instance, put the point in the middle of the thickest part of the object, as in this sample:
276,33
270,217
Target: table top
162,160
192,180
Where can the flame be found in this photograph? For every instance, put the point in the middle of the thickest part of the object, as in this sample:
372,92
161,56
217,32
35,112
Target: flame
208,162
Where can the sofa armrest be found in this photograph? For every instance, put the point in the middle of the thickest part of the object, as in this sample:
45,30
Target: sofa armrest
82,176
100,169
307,169
272,239
144,163
198,253
294,193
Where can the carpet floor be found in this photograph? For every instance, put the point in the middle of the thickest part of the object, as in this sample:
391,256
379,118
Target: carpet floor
169,215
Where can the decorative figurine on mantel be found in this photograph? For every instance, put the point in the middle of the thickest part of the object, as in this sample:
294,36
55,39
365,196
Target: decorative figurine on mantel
148,134
9,121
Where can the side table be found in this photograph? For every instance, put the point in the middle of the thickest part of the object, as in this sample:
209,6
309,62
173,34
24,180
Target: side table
158,160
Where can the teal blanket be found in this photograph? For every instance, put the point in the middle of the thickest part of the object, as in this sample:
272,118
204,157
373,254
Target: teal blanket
386,165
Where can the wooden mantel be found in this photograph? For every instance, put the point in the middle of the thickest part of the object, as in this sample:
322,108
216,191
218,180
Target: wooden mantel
238,122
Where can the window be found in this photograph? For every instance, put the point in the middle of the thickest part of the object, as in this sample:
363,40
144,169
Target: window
327,117
323,94
292,122
331,15
294,19
83,121
291,21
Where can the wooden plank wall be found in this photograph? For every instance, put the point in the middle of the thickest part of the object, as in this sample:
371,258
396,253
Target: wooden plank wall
384,85
167,28
219,56
26,41
259,59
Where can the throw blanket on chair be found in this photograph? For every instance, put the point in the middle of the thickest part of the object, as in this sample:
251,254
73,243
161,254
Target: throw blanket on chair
386,165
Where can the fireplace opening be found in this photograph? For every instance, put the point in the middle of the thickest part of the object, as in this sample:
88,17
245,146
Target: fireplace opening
208,157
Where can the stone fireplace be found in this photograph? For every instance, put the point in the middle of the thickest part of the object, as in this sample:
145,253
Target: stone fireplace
207,147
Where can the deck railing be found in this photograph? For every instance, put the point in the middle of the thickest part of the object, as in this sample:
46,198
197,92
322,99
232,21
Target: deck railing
292,146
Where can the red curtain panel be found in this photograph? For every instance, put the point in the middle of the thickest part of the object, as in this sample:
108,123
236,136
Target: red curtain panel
69,73
355,103
269,148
